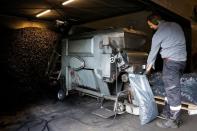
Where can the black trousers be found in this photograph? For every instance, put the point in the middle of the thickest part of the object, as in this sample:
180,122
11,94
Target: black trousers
172,72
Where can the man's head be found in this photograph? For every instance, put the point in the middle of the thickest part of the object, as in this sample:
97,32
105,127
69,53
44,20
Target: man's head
153,21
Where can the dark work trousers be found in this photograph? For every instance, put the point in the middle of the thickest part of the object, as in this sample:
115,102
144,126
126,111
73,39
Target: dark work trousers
172,72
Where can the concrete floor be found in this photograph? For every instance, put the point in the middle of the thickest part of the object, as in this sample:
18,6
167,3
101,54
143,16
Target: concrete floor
74,114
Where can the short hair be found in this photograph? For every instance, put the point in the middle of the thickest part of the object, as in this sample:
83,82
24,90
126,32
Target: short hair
154,18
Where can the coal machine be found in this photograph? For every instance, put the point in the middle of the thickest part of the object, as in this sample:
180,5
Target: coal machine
98,63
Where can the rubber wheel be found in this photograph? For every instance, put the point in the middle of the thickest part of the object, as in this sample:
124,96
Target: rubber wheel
61,95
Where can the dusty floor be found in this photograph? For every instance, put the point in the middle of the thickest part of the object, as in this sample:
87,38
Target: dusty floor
75,114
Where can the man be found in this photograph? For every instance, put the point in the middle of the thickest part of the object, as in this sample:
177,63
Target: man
169,39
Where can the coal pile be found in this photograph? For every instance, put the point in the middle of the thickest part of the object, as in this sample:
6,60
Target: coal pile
28,55
188,86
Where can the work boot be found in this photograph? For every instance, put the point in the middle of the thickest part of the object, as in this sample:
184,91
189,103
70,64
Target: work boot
172,122
169,123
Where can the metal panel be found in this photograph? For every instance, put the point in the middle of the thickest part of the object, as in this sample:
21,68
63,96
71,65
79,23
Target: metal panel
134,41
87,79
82,47
106,65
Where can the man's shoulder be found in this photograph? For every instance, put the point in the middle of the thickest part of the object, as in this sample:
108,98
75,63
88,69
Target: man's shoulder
169,23
172,24
169,26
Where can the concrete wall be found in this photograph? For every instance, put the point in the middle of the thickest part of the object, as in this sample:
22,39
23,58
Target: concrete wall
136,20
194,47
13,22
181,7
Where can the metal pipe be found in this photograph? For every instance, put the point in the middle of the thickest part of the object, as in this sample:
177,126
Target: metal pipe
96,93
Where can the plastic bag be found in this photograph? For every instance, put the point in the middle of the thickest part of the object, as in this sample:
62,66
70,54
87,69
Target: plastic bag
188,86
145,98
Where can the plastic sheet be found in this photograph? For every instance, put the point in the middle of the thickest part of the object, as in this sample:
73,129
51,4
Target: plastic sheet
188,86
144,97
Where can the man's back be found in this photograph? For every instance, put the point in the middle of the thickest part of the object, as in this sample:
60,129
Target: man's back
172,40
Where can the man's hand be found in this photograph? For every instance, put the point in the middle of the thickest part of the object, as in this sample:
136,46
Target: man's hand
148,68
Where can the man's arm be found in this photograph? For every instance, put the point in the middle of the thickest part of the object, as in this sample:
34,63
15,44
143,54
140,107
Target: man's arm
156,44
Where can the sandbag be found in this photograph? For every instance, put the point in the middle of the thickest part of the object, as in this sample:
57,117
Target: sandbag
145,98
